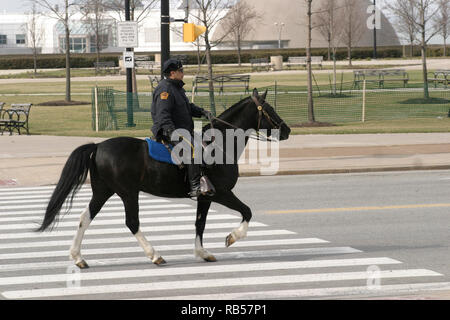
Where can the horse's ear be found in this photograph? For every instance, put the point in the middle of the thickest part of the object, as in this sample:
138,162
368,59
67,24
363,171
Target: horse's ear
255,93
263,97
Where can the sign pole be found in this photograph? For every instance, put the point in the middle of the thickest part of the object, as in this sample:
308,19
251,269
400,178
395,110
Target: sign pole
165,35
130,116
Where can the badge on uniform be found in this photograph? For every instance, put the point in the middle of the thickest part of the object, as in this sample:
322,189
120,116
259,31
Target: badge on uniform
164,95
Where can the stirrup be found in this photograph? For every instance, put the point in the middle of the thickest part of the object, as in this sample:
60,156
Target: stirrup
206,187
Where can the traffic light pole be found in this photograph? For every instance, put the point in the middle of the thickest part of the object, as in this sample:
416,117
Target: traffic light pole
130,116
165,35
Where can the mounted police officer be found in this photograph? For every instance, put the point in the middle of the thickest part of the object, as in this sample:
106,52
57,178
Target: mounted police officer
172,110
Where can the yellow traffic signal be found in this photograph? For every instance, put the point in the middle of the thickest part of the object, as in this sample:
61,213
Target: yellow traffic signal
191,32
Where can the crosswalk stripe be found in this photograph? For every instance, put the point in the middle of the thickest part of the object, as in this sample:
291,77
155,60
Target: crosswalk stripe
116,246
211,283
104,222
105,214
314,292
127,238
145,229
36,188
174,258
144,210
134,249
158,272
46,196
116,203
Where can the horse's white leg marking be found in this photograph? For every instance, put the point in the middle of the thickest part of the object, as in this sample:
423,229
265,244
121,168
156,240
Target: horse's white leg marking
201,252
85,221
237,234
148,249
240,232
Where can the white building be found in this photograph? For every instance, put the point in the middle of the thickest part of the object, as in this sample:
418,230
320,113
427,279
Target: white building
16,34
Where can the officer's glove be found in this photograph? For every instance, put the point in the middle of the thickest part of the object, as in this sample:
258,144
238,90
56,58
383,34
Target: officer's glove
168,132
207,114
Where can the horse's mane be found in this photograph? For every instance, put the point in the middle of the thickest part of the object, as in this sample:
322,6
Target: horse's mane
229,113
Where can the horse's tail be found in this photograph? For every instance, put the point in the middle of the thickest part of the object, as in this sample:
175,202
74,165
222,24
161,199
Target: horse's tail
73,176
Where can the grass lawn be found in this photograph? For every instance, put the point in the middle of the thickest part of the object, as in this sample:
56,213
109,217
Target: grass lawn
345,111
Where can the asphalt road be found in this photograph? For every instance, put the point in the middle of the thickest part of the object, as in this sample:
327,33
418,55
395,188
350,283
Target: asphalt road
311,237
412,225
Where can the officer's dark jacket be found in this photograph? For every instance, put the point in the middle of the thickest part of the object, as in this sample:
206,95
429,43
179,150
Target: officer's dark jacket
171,108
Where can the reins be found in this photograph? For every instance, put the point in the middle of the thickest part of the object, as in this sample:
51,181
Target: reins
261,113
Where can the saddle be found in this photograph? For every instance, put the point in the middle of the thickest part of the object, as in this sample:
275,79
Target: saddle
162,152
159,151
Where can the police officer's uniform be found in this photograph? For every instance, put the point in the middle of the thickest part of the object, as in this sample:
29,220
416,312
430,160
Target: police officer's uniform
172,110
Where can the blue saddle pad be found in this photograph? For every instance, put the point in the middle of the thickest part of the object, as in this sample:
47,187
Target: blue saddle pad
158,151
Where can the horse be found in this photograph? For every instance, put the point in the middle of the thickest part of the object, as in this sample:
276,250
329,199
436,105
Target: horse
122,166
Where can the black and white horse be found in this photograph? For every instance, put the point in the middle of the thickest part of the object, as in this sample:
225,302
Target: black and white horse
122,166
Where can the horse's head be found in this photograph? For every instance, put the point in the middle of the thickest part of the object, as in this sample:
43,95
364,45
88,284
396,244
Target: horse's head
267,117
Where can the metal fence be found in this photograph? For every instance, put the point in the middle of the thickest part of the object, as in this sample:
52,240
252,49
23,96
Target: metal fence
342,105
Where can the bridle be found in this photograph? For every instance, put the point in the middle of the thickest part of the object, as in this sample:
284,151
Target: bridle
261,113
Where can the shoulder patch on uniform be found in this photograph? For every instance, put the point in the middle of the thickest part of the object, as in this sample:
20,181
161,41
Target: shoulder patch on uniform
164,95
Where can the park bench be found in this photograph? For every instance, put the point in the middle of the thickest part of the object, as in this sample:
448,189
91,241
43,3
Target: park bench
440,76
301,61
107,66
148,65
222,81
379,77
260,64
15,118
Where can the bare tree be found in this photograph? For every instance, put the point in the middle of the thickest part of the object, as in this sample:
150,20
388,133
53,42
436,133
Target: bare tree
138,12
62,16
330,27
311,116
238,23
354,24
442,21
94,13
35,34
210,13
426,12
325,19
405,14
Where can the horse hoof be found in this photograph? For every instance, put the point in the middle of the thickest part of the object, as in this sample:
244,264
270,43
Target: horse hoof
160,261
229,240
82,264
210,258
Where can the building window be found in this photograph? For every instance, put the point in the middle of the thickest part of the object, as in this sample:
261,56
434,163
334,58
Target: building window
3,39
103,42
20,39
77,45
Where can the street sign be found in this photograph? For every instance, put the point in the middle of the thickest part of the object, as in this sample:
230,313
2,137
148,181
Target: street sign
127,34
128,59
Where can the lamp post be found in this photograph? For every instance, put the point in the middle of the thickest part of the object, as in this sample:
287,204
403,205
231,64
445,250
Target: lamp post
279,26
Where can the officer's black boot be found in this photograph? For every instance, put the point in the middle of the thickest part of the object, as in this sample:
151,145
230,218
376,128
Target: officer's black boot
194,174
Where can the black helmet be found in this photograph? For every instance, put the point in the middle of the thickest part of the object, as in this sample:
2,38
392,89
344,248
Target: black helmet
171,65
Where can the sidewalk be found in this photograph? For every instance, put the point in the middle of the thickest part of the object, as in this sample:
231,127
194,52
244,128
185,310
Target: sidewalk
38,160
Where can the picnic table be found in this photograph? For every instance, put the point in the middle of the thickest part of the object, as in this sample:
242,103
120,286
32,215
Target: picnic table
379,77
440,76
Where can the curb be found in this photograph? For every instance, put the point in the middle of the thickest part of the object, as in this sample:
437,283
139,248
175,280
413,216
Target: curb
343,171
